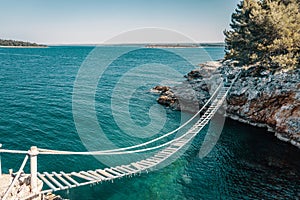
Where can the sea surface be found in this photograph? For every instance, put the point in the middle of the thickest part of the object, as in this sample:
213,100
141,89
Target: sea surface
37,94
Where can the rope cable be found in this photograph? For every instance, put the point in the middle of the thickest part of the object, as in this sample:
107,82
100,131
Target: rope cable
151,141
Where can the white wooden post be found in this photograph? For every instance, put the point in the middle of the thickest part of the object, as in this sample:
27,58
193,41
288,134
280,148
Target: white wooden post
33,169
0,162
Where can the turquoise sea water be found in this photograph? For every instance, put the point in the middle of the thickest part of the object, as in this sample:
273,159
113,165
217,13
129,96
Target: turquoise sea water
36,88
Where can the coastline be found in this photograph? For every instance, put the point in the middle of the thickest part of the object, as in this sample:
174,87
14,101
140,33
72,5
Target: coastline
23,47
263,100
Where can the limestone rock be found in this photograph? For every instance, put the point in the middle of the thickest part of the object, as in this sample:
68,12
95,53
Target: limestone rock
20,190
260,97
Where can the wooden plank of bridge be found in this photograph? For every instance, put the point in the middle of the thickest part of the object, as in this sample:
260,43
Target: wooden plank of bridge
114,172
137,166
147,163
69,178
155,161
62,179
120,171
162,155
42,177
178,144
122,168
130,168
171,150
97,175
96,178
81,176
141,163
104,173
54,180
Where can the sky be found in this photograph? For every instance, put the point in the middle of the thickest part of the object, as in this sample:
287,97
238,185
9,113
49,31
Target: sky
96,21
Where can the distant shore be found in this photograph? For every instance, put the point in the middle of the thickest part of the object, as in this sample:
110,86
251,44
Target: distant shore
184,45
23,47
19,44
171,46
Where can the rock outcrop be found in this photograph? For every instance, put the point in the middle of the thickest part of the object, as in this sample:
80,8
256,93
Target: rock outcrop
259,97
193,93
20,190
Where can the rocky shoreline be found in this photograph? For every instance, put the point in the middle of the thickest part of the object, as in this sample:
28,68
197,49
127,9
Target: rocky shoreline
259,97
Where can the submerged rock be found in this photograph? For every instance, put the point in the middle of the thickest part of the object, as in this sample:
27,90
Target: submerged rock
259,97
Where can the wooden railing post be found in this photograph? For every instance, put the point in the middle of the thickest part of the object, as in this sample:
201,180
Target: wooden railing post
33,169
0,162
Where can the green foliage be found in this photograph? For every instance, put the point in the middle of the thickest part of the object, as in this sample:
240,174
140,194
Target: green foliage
18,43
265,32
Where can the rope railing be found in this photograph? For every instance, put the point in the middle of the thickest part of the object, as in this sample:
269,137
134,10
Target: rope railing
121,150
43,151
139,150
124,149
13,151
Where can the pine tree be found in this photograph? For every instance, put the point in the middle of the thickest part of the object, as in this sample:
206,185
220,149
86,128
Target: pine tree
265,33
285,48
239,39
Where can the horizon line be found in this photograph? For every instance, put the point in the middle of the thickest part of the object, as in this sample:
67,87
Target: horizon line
134,43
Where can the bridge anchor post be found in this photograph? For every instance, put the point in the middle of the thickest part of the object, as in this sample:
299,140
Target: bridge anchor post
33,153
0,162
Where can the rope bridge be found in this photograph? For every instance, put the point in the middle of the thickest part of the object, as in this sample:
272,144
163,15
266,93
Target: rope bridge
56,181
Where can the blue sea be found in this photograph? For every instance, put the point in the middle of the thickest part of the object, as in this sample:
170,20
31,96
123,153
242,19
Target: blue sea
44,91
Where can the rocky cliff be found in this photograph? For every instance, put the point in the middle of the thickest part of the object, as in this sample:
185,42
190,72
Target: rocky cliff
259,97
